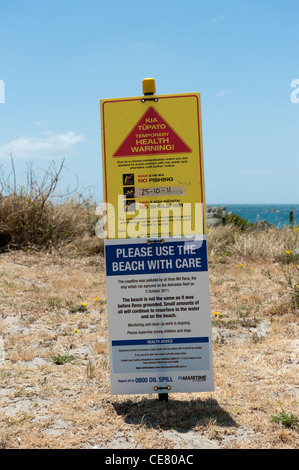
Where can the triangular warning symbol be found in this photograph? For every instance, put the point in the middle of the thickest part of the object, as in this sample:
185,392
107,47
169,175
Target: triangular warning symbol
152,135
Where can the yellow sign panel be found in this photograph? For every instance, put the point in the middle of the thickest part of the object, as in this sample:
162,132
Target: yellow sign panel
153,165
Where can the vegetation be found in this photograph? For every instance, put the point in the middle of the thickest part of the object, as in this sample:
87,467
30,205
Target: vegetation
37,216
63,358
286,419
234,219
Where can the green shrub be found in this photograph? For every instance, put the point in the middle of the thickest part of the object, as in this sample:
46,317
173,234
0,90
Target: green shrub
237,220
286,419
62,358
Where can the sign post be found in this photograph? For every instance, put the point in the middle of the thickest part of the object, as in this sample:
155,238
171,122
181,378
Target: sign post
158,305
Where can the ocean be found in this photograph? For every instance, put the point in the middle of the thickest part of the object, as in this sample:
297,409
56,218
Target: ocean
277,214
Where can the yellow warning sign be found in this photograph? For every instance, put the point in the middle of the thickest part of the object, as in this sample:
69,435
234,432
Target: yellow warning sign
152,135
153,165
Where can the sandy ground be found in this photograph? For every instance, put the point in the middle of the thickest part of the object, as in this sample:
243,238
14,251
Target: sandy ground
54,365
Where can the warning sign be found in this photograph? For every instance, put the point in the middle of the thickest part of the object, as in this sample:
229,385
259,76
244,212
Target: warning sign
159,316
152,135
153,166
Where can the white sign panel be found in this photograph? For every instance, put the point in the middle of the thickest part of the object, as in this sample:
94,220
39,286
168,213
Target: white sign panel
159,319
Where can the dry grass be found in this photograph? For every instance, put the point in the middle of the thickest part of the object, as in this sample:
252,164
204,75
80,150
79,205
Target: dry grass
38,216
27,223
253,245
68,405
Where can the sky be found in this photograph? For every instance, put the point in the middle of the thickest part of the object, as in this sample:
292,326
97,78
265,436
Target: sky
58,59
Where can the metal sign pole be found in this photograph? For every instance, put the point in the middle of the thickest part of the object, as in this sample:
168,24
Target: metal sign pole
163,396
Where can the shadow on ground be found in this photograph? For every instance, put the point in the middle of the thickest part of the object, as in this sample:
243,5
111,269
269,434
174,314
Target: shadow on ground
174,414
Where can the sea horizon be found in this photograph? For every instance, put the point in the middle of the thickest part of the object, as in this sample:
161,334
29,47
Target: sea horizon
277,214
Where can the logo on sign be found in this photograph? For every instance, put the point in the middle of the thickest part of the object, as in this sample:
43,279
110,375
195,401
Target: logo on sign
193,378
152,135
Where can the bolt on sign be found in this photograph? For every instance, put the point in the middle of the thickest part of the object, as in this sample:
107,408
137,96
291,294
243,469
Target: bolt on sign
153,165
159,322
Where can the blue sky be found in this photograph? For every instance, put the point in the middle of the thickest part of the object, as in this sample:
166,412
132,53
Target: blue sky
59,58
